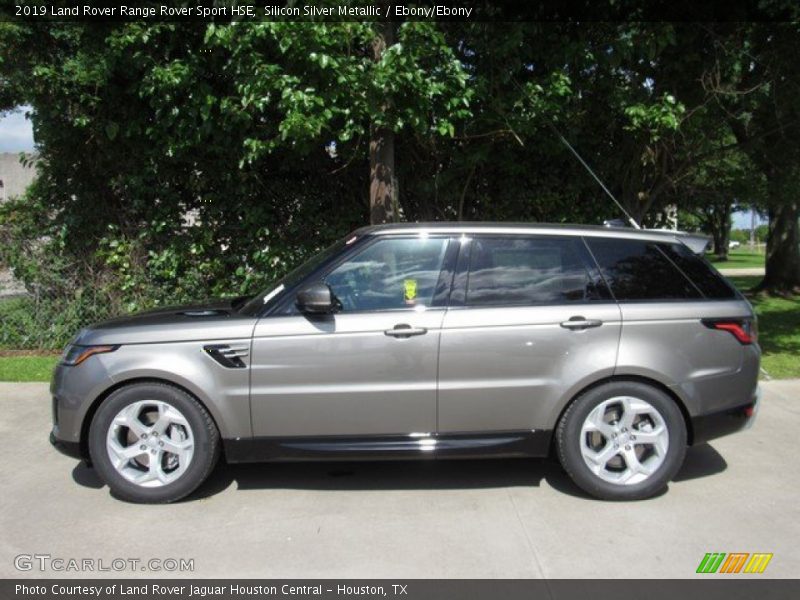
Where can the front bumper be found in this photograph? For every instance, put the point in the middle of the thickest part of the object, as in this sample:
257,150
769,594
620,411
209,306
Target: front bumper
71,449
715,425
73,389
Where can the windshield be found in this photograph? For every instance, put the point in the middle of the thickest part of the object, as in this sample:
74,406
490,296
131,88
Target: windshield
256,304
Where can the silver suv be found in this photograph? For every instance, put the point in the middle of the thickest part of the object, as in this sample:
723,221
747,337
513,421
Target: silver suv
613,349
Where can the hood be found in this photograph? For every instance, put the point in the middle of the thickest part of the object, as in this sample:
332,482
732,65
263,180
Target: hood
214,320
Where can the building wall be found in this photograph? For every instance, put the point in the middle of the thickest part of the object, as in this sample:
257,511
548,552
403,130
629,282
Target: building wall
14,176
14,180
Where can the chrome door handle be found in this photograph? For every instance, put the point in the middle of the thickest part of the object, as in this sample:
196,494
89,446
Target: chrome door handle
405,331
579,323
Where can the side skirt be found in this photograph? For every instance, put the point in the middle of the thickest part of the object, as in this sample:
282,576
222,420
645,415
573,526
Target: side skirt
376,447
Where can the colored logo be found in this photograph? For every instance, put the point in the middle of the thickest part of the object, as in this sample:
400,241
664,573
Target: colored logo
410,290
735,562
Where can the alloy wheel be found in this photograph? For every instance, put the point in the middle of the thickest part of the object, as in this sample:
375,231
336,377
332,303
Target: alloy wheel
624,440
150,443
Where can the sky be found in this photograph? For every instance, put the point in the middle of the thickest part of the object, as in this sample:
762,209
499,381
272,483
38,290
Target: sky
16,133
742,220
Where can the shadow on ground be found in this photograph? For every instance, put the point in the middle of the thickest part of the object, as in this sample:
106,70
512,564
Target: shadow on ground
701,461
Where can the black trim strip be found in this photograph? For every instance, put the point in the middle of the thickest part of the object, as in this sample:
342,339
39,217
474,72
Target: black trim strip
71,449
229,357
376,447
714,425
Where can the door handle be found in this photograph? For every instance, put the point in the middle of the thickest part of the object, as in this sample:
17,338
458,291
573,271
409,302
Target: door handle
405,331
579,323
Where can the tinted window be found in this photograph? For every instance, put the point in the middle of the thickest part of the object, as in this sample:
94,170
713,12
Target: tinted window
520,271
711,284
390,274
638,270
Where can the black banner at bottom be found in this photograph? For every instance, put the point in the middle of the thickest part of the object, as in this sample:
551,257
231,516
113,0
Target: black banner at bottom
729,588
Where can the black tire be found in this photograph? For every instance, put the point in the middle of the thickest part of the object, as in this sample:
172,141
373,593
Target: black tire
204,431
568,441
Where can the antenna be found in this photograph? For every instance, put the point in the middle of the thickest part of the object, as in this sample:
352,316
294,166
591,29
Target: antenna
631,220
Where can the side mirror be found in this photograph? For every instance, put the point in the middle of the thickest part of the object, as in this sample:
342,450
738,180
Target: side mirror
317,299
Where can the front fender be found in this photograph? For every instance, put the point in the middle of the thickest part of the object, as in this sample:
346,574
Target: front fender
225,392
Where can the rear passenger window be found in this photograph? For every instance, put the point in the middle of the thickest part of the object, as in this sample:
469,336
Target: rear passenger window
638,270
711,284
525,271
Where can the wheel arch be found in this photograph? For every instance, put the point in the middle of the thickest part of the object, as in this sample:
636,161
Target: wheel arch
637,379
98,401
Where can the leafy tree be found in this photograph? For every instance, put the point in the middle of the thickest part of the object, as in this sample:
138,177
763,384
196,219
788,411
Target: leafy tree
180,159
753,78
715,188
357,84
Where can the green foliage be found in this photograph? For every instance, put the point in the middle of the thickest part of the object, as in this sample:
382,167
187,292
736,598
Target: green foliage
656,119
46,323
740,235
180,161
743,235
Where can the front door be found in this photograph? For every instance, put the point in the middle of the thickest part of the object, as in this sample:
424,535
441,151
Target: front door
369,369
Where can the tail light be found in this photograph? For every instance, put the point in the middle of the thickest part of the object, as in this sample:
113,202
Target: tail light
744,330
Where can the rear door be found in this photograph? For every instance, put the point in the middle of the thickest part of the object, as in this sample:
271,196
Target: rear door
530,321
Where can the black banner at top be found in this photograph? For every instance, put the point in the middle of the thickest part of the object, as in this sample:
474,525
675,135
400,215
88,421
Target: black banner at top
361,10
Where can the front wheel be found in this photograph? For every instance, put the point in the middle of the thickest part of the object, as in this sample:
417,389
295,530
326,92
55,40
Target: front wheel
151,442
622,440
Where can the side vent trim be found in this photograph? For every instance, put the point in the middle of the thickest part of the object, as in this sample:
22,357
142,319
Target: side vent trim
229,357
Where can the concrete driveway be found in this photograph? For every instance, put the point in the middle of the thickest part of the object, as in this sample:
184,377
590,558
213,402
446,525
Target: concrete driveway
744,272
506,518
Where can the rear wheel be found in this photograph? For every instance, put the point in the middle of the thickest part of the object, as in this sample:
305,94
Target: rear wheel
151,442
622,440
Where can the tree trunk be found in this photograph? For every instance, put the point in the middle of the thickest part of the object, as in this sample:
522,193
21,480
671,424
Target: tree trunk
783,252
720,243
382,180
721,218
382,193
723,243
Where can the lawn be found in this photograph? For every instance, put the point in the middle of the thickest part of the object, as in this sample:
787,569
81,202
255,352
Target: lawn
18,366
738,259
778,323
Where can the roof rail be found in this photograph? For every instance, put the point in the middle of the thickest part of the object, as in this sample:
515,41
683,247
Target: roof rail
696,242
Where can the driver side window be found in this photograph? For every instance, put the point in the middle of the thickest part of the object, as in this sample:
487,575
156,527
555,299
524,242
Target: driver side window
390,274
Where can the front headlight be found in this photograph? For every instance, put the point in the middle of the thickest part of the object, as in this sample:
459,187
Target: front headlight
75,355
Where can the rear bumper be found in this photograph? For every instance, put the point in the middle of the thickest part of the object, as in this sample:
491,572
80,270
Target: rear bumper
717,424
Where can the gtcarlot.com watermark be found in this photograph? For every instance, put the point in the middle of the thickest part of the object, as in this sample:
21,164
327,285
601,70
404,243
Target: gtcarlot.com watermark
47,563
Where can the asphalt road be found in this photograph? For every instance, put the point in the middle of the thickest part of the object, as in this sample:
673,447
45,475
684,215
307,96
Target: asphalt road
494,518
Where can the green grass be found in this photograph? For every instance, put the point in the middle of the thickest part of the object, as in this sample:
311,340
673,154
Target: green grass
27,368
738,259
778,329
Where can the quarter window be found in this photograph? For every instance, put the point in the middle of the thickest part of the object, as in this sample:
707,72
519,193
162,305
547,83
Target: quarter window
703,275
527,271
640,270
390,274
